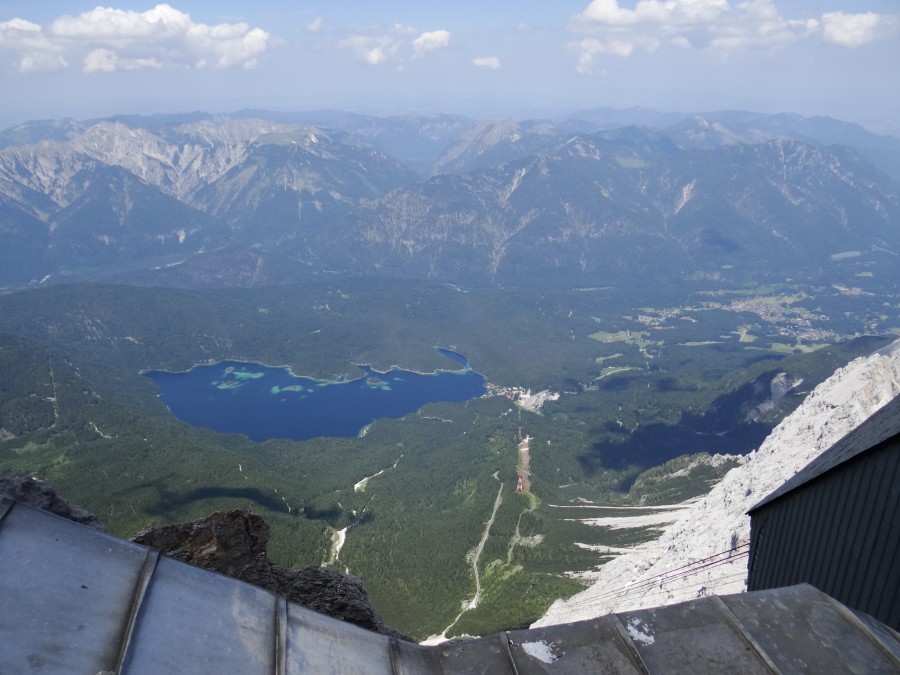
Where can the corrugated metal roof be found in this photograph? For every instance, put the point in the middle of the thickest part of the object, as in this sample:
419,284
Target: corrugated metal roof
75,600
882,425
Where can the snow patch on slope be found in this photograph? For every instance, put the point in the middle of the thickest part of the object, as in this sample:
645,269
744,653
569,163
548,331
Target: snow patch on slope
718,522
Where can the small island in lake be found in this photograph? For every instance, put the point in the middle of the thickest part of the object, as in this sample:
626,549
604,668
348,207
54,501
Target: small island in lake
264,402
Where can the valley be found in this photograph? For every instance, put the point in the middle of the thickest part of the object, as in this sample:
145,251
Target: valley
636,437
644,304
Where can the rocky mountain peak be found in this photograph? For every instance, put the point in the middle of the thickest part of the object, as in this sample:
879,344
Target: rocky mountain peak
718,521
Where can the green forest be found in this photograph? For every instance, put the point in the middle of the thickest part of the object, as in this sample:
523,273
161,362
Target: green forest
644,395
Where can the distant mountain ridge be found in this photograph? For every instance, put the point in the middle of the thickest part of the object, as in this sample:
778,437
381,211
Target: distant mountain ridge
582,200
596,208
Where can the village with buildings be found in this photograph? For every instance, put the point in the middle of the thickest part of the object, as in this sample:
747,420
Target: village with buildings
523,397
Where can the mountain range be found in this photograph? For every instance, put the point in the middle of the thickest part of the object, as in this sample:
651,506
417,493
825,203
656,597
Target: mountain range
599,197
670,286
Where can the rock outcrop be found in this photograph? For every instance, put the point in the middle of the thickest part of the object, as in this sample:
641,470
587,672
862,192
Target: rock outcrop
234,543
40,495
666,570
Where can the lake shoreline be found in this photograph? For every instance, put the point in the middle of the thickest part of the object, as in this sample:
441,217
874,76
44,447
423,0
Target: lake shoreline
265,402
337,379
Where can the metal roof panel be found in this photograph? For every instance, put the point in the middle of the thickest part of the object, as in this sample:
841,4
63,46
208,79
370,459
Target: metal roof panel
61,590
693,638
194,620
75,600
595,646
804,630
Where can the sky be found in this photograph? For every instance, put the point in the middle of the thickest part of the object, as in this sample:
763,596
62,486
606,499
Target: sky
529,58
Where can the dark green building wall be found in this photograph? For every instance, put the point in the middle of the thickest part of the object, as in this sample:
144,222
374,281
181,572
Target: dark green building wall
839,532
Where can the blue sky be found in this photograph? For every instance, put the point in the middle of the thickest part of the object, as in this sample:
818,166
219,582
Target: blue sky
486,59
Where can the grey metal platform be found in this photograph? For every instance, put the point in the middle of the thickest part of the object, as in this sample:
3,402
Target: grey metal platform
74,600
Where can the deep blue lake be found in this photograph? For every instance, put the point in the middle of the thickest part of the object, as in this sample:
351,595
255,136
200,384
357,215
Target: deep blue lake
262,402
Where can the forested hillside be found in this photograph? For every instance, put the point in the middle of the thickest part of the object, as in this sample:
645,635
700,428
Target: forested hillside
76,410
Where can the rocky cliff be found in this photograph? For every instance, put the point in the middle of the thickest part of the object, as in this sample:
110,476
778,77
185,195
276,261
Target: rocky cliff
232,543
686,561
40,495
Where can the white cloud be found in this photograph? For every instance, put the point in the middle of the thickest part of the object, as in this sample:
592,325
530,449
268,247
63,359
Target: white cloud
758,25
42,63
609,29
589,48
371,49
403,29
20,31
375,56
377,45
100,61
853,30
106,39
105,61
316,25
110,25
426,42
672,12
491,62
35,52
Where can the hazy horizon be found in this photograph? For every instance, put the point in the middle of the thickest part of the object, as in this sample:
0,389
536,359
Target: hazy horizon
72,59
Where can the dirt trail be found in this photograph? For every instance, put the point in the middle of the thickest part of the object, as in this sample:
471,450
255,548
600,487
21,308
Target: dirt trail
524,471
484,535
360,486
475,556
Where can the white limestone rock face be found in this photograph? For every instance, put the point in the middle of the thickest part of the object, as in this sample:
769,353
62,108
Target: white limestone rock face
717,521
